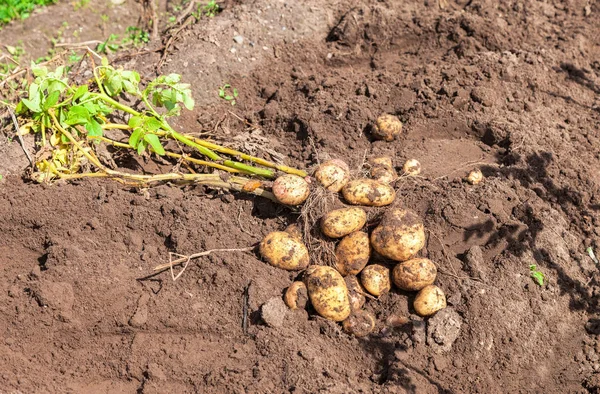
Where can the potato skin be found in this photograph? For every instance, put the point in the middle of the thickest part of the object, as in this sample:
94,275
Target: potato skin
343,221
475,177
368,192
387,127
429,300
414,274
296,296
353,253
356,293
290,189
294,230
412,167
382,169
376,279
333,175
360,323
399,236
283,250
328,293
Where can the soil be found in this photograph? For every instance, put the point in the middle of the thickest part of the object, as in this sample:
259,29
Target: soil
509,87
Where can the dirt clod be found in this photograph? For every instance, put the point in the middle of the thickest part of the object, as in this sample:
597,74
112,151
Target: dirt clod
273,312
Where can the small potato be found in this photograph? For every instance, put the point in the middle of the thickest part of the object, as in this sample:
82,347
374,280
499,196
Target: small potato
333,175
296,296
376,279
356,293
343,221
475,177
399,236
290,189
414,274
328,293
282,250
412,167
429,300
387,127
360,323
352,253
294,231
368,192
382,170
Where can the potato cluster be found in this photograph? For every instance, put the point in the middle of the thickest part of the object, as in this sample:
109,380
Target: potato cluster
339,293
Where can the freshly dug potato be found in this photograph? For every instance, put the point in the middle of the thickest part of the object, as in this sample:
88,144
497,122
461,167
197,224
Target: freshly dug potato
283,250
399,236
352,253
360,323
382,169
328,293
356,293
475,177
294,231
368,192
296,296
291,189
333,175
429,300
387,127
343,221
412,167
376,279
414,274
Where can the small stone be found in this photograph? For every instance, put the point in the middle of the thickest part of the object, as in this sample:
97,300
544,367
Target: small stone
273,312
238,39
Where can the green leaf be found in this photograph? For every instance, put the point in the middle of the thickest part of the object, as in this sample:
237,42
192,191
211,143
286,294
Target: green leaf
134,121
93,128
153,124
78,115
154,141
135,137
39,71
188,102
536,275
83,89
105,60
141,147
32,105
51,100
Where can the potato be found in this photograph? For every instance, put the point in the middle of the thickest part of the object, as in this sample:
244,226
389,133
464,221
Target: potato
290,189
333,175
294,231
414,274
475,177
429,300
328,292
343,221
376,279
387,127
356,293
352,253
368,192
296,296
283,250
399,236
360,323
412,167
382,169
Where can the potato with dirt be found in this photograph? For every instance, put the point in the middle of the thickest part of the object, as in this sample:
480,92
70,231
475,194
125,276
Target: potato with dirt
352,253
341,222
360,323
285,251
414,274
327,292
382,169
296,296
429,300
290,189
356,293
412,167
368,192
399,236
387,127
333,175
375,278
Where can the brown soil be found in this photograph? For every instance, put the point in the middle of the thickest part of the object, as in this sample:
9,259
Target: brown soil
510,87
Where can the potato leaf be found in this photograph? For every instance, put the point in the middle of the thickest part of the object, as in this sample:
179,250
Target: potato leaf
154,141
135,137
93,128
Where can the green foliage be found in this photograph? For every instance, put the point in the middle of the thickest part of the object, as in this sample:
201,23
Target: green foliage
536,275
227,93
210,10
19,9
134,37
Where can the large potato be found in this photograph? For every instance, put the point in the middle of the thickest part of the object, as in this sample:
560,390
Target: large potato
290,189
333,175
356,293
414,274
368,192
283,250
343,221
376,279
352,253
360,323
429,300
399,236
296,296
328,293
